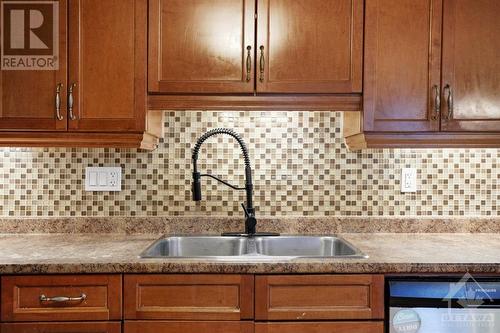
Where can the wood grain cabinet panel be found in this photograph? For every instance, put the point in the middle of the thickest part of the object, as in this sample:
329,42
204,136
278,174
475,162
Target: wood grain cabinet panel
309,46
189,297
402,65
22,298
27,97
108,65
320,327
101,83
77,327
431,75
319,297
201,46
471,65
188,327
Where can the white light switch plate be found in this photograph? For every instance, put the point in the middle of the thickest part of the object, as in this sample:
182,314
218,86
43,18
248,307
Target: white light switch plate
103,179
409,180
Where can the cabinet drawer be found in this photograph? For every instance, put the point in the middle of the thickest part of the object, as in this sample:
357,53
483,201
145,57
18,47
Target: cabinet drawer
319,297
337,327
189,297
188,327
61,328
41,298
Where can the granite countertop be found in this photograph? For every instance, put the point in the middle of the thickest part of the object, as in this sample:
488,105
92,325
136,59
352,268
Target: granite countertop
119,253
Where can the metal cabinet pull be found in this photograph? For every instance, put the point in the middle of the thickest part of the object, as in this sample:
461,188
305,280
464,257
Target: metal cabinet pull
437,102
63,299
71,101
249,63
262,63
449,92
58,102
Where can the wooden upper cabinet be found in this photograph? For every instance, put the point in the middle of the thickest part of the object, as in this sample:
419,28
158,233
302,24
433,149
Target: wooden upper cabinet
309,46
107,57
28,97
471,65
402,65
201,46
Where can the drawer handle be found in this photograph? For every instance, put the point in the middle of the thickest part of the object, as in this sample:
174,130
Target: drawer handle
71,101
249,63
449,91
58,102
437,102
262,63
62,299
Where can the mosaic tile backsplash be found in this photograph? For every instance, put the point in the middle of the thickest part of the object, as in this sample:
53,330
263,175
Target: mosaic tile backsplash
301,168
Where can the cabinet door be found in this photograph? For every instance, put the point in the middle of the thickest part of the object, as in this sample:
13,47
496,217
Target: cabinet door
402,65
320,327
471,65
188,326
105,327
28,96
336,297
107,56
309,46
201,46
188,297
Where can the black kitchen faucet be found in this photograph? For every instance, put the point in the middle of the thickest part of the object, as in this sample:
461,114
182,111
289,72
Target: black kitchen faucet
250,220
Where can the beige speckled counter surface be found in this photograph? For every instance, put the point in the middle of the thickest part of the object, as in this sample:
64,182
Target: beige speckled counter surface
118,253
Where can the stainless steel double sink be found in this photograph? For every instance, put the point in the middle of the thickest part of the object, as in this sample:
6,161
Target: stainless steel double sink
247,248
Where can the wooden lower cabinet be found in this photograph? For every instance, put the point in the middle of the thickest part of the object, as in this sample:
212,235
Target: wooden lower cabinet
319,297
320,327
77,327
38,298
189,327
192,303
189,297
250,327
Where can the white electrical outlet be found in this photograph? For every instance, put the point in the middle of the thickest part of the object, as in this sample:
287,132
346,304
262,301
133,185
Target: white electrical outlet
409,180
103,179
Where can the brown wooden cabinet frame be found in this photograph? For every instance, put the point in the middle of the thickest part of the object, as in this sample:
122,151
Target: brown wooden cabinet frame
253,94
